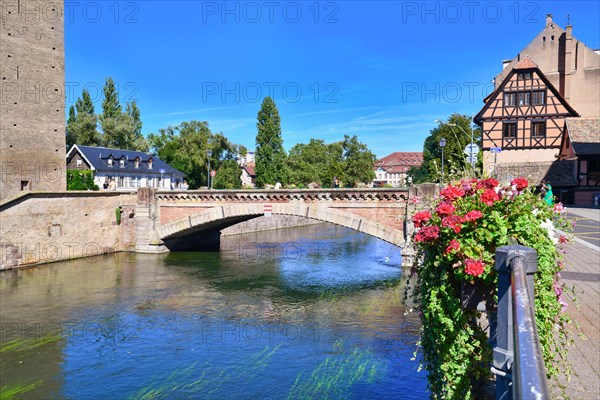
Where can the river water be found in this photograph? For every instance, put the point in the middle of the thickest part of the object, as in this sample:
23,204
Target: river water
310,312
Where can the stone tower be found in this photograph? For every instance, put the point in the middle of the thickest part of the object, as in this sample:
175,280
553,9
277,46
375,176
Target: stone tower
32,98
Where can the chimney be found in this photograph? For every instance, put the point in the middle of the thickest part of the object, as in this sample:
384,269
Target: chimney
569,30
548,19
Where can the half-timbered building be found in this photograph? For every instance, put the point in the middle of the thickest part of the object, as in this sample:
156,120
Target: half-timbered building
537,100
524,118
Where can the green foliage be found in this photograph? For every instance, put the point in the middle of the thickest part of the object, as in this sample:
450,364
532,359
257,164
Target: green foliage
315,162
350,160
270,156
184,147
121,130
456,242
228,175
118,215
358,162
457,138
80,180
82,123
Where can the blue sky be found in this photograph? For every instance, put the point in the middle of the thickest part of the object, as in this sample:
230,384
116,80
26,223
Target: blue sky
384,71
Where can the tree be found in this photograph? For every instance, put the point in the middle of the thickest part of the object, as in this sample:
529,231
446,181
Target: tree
270,155
71,137
358,162
456,131
82,123
315,162
185,146
122,130
228,175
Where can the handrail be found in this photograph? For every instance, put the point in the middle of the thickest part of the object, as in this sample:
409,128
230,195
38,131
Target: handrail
518,363
529,373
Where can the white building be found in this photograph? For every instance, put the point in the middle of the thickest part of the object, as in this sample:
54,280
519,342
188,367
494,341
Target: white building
129,169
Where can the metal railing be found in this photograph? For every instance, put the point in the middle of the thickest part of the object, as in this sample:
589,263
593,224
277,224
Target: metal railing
518,363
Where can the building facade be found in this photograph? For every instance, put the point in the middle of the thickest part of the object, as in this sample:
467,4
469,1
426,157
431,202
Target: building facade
392,169
128,169
555,79
248,176
32,126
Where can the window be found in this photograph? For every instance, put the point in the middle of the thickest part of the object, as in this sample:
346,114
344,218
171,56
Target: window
509,130
510,99
137,162
524,98
524,75
150,164
110,161
538,97
25,185
79,163
538,129
122,163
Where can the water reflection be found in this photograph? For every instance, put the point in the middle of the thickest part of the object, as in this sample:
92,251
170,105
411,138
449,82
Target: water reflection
272,315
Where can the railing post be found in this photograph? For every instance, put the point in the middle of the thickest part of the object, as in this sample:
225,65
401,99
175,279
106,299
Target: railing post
503,350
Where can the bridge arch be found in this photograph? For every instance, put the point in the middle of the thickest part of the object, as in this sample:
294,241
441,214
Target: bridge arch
224,215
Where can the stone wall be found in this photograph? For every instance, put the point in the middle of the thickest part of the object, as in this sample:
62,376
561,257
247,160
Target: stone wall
32,97
268,223
46,227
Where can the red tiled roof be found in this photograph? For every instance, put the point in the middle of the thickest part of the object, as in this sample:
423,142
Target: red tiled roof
249,167
585,135
399,161
525,63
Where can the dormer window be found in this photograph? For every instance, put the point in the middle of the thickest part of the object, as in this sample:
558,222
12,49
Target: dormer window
150,164
122,163
137,162
110,161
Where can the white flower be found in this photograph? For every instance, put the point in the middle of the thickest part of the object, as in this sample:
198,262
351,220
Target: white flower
549,227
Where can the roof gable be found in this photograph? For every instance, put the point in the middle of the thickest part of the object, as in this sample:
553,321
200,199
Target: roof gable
525,66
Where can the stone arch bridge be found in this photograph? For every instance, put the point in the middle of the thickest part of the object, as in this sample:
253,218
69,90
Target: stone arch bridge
179,220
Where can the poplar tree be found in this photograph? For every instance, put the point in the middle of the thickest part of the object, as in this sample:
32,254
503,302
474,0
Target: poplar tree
82,122
270,155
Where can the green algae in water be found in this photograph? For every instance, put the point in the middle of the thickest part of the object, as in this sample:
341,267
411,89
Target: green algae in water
10,392
202,382
334,377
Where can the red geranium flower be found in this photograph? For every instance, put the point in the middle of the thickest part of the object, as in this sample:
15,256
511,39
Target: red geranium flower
520,183
453,221
488,183
473,215
452,192
489,196
474,267
420,218
445,208
453,246
427,234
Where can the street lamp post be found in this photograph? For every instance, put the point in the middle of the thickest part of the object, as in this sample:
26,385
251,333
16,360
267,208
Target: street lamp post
471,144
442,145
208,155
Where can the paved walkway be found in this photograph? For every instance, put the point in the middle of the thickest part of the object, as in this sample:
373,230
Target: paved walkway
582,271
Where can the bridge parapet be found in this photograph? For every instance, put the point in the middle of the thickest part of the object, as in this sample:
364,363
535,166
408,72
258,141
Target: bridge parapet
389,195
